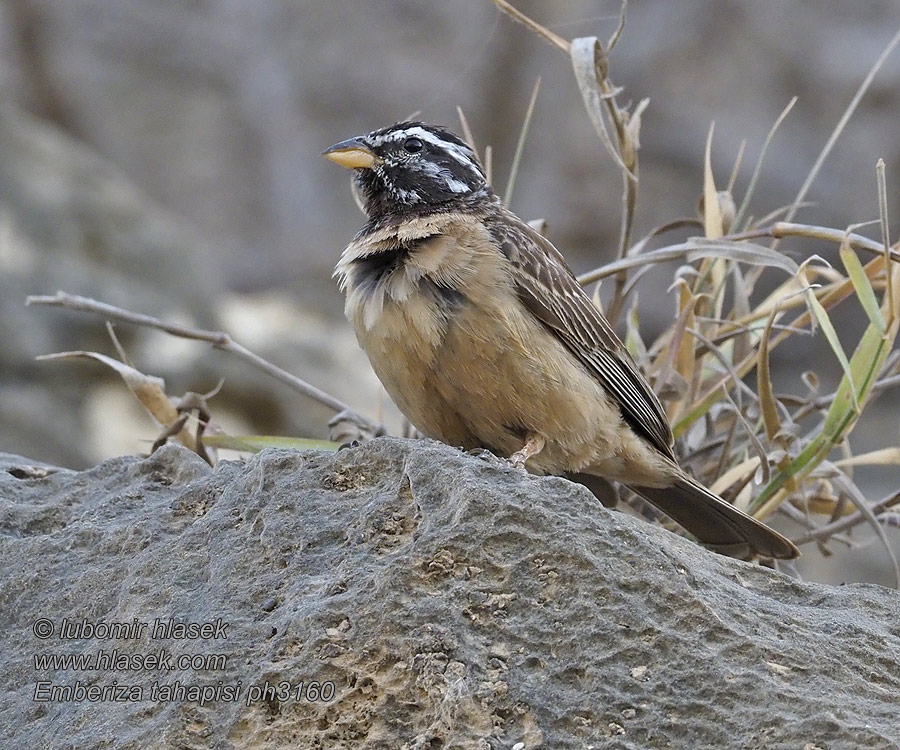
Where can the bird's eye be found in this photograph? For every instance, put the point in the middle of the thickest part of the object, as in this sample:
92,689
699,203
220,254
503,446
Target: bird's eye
413,145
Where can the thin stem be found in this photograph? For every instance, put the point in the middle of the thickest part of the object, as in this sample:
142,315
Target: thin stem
748,194
839,128
520,145
778,230
848,522
219,339
533,25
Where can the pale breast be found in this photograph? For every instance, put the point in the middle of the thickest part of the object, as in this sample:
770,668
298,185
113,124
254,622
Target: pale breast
402,295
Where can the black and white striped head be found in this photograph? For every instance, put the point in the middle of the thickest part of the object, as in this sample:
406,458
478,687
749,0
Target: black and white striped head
411,167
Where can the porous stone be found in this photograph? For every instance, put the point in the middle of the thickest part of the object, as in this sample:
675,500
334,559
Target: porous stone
451,602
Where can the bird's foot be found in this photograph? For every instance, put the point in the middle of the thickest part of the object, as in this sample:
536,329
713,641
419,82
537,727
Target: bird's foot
533,445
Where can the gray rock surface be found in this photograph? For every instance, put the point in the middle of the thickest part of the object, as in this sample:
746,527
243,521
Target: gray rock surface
451,601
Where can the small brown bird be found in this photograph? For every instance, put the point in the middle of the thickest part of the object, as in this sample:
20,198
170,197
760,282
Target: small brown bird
483,337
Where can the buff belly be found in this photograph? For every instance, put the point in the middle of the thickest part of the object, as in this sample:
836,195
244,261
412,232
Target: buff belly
488,375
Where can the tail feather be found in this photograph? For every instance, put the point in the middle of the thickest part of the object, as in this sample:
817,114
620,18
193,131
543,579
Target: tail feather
715,522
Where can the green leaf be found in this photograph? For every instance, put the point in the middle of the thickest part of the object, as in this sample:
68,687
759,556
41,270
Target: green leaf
256,443
862,286
821,316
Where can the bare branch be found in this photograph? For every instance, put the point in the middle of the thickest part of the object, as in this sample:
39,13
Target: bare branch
219,339
839,128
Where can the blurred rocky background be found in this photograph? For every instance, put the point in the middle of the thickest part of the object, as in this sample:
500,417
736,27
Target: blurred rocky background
163,155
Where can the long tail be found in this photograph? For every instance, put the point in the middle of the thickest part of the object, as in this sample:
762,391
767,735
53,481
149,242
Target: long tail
716,523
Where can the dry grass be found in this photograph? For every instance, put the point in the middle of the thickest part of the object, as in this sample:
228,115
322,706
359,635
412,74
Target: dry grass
762,450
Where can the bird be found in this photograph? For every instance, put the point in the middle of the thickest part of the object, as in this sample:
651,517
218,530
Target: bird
481,334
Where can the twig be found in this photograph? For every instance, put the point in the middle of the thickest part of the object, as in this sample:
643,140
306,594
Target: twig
885,228
782,229
847,522
589,61
620,27
738,160
542,32
820,402
120,350
520,145
778,230
219,339
467,130
590,65
748,193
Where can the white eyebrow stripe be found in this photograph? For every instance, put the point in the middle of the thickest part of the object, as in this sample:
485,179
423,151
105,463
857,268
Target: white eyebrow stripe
419,132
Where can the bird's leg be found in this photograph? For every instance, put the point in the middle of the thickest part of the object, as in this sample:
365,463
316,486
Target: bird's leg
534,444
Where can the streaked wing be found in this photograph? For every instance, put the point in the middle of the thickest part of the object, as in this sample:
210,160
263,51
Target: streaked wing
548,288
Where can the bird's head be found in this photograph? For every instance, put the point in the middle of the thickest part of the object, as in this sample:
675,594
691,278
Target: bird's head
410,168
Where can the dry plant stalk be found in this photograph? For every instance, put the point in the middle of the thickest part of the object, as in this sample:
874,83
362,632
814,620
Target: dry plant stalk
763,449
617,128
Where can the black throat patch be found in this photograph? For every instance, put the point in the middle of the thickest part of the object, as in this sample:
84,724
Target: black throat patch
369,271
376,266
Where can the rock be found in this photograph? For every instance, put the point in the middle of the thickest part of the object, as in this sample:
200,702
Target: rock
435,599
